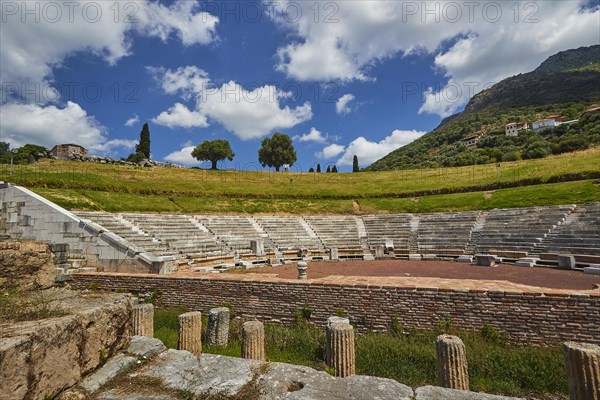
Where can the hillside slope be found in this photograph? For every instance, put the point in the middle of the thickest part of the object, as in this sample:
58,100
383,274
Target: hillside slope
566,84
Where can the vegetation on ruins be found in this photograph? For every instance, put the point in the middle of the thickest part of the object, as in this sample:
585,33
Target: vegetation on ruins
213,151
565,84
407,356
277,151
21,155
558,179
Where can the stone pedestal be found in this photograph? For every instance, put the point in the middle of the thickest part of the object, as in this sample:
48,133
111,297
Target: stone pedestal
389,246
340,349
583,368
190,332
566,262
143,320
217,332
302,267
379,251
253,340
452,363
257,247
485,260
333,253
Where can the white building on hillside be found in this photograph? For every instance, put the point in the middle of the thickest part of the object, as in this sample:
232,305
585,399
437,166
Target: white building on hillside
548,122
513,128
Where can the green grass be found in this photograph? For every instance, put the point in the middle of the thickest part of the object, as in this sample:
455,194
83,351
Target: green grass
408,357
88,186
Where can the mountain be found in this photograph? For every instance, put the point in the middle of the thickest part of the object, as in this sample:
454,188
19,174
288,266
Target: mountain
567,83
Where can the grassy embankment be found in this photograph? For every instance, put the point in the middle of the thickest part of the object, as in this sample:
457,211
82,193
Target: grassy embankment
568,178
408,357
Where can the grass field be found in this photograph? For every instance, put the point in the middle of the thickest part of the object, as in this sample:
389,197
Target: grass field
408,357
568,178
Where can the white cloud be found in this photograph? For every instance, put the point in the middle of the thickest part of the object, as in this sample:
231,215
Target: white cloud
187,81
180,116
347,38
50,125
314,136
183,156
248,114
330,151
133,120
252,114
341,107
183,18
31,50
109,146
368,152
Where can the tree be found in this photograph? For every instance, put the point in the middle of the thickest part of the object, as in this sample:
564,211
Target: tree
355,167
334,169
328,169
213,151
4,148
311,169
277,151
144,145
319,168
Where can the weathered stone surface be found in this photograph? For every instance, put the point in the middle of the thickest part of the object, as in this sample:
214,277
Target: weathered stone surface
485,260
439,393
566,262
285,381
145,347
31,351
143,320
253,340
340,349
217,331
190,332
115,394
452,369
207,374
14,354
583,368
26,264
112,368
74,393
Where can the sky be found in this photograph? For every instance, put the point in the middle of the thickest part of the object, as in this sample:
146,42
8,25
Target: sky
342,78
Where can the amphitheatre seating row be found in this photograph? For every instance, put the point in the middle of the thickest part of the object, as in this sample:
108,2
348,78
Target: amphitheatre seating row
235,231
515,229
181,232
336,231
288,233
395,227
522,231
127,231
579,234
445,233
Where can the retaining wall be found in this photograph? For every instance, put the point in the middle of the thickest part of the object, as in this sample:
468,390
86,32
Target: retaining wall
25,215
525,313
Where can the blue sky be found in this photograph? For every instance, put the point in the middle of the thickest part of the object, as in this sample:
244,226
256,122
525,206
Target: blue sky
341,78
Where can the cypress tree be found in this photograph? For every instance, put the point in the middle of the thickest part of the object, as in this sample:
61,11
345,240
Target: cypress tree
355,167
318,167
144,146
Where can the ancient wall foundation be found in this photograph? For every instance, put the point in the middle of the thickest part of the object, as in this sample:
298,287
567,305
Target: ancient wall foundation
524,313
